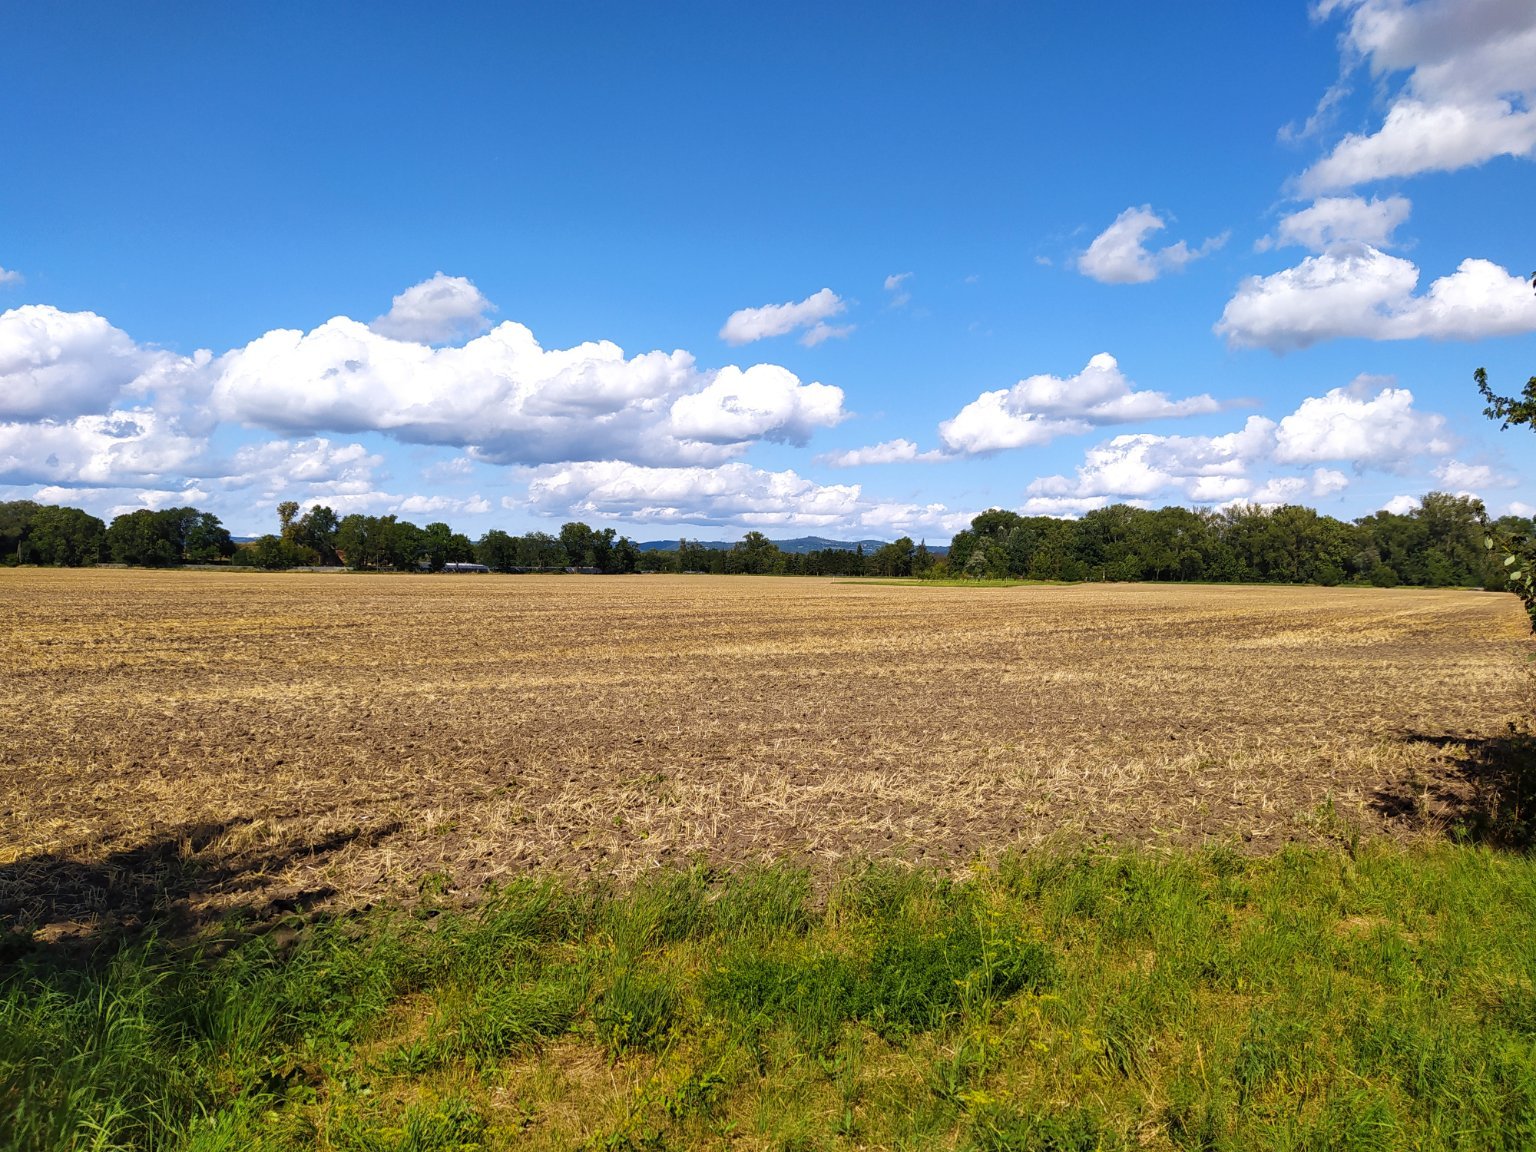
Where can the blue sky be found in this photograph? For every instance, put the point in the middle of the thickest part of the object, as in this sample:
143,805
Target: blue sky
696,268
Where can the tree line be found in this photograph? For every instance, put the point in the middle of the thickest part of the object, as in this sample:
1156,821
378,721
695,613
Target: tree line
1440,543
32,533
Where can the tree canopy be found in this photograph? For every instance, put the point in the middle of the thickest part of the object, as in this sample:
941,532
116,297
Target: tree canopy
1512,542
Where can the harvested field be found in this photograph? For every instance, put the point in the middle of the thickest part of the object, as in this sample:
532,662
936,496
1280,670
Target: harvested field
208,741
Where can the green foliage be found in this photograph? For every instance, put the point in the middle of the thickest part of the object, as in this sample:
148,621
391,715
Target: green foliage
378,542
273,553
168,537
480,1023
814,993
1099,999
755,555
762,903
921,978
1516,553
49,534
1508,409
637,1011
1435,545
316,531
441,545
451,1125
997,1128
1513,544
935,955
662,909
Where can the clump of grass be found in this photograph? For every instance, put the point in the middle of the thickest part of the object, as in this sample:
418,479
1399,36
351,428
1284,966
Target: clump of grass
812,992
763,903
661,909
636,1012
1102,999
1001,1129
481,1024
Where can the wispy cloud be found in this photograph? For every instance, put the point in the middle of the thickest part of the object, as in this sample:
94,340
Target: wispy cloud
889,452
746,325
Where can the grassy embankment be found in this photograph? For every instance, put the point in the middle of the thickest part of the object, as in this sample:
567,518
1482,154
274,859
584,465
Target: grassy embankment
1318,998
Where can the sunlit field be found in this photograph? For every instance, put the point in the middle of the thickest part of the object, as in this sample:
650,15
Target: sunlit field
341,739
450,864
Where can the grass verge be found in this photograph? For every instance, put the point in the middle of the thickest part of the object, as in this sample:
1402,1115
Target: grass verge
1381,998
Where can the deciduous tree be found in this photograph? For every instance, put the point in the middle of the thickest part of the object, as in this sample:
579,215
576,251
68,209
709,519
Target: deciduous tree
1516,550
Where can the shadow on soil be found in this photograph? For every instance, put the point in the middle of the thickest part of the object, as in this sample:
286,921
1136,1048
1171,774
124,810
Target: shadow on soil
71,904
1485,794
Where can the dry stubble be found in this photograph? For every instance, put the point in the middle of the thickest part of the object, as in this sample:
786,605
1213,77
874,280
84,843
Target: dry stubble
345,736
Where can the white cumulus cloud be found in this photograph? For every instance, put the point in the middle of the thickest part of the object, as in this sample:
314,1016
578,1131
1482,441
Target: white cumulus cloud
439,505
509,400
1368,425
1469,94
730,494
1334,221
1461,476
1040,408
1328,482
436,311
58,365
107,450
1119,254
82,404
1353,424
763,402
748,324
1366,293
312,470
1118,467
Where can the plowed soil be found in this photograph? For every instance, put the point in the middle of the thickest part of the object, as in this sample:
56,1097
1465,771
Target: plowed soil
205,741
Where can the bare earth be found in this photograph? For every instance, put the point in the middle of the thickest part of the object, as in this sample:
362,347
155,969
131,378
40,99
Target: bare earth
295,739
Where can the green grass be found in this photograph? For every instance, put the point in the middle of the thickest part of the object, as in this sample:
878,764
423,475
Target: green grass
1384,998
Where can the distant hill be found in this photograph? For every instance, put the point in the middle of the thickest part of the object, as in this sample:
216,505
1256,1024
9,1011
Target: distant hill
799,545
